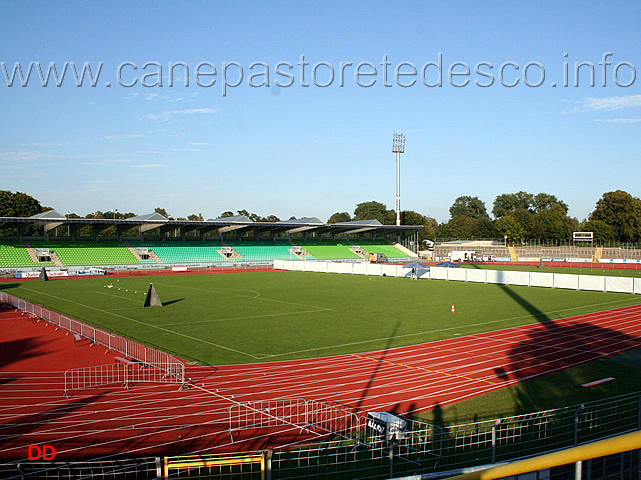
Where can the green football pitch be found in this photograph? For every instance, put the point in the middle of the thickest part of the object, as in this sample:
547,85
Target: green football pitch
263,316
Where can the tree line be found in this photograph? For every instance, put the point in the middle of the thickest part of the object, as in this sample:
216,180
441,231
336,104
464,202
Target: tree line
519,216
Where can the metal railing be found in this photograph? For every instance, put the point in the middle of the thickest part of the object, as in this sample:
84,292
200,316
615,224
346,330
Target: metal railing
424,449
146,468
309,415
129,348
125,374
429,449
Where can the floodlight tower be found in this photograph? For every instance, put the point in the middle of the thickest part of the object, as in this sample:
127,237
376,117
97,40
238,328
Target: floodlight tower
398,147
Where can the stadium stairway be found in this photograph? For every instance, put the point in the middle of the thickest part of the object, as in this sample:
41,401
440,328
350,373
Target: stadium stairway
133,251
598,254
329,249
31,251
229,255
56,259
404,250
389,249
302,253
155,258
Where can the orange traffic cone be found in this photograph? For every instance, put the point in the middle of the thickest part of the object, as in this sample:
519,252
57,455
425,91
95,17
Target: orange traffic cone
453,309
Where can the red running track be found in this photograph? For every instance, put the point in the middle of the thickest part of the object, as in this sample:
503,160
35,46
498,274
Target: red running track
159,420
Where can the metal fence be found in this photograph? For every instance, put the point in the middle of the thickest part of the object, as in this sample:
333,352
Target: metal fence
423,449
309,415
135,469
538,243
430,449
125,374
224,466
129,348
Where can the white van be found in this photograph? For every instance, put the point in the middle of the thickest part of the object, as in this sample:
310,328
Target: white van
463,256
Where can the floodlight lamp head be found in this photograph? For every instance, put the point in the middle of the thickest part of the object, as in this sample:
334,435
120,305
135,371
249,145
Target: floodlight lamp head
398,143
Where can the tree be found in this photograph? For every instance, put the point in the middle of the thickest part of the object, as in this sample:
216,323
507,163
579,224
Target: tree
508,203
226,214
509,226
370,210
526,220
390,217
463,226
339,217
18,204
196,218
603,233
428,232
410,217
252,216
469,206
544,201
622,212
163,212
553,224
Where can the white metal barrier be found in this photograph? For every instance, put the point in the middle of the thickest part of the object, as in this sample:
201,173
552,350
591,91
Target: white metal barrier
306,414
129,348
125,373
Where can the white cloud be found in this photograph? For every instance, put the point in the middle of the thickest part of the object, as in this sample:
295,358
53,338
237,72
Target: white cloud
22,156
29,159
43,144
608,103
124,136
166,116
193,111
109,161
149,165
620,120
97,182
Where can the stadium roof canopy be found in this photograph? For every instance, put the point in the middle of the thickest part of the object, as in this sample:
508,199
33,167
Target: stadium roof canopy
238,224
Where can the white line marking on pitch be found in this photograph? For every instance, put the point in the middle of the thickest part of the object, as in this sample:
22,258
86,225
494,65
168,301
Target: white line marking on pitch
248,317
365,342
148,324
217,290
139,300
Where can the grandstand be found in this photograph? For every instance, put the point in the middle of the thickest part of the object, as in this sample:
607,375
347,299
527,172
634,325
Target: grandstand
175,251
329,249
262,250
66,252
88,252
378,246
220,241
14,254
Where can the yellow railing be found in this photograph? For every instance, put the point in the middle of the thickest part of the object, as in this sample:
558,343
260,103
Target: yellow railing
601,448
224,465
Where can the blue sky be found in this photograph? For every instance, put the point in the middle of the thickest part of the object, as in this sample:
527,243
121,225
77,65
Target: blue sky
311,150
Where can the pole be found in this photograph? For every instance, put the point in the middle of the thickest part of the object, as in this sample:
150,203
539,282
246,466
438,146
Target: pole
398,147
398,188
